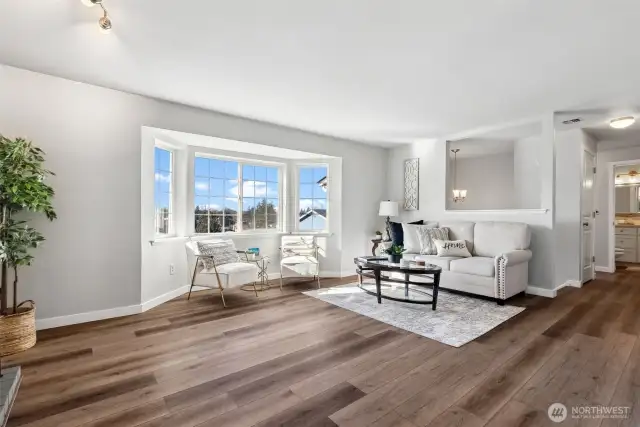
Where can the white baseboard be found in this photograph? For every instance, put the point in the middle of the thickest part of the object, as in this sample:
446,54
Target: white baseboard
90,316
604,269
571,284
161,299
543,292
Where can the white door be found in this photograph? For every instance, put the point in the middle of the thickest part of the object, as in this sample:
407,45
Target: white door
588,213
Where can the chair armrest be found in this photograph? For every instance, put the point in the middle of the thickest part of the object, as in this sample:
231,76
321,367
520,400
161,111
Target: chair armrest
516,257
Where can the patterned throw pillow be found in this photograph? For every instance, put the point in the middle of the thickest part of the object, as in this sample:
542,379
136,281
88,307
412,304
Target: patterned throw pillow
427,237
222,252
452,248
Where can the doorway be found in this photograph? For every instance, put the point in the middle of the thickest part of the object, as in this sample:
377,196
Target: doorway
588,215
624,214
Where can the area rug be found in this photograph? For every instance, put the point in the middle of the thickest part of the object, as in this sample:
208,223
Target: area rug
457,320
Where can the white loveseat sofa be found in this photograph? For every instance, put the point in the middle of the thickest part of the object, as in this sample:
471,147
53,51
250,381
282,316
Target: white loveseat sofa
499,266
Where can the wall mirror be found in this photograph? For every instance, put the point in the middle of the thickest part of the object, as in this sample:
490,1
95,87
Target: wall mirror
627,195
499,170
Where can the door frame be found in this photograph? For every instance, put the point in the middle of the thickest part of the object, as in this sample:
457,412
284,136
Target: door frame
593,216
611,216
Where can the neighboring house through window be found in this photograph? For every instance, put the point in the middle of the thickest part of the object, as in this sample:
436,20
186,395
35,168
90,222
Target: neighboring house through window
312,198
163,192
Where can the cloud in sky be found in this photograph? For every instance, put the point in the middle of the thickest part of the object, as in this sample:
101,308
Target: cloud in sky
163,177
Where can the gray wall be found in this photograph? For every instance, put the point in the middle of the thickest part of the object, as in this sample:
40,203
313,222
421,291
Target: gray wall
92,259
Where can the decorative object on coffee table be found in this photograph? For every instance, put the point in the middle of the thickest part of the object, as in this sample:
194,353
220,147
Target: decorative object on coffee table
411,184
388,209
394,253
414,292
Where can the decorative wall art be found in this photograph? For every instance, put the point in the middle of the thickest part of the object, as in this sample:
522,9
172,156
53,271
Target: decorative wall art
411,180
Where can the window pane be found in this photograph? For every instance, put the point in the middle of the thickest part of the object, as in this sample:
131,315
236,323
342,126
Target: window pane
230,222
272,174
272,189
319,192
319,173
162,159
202,167
319,204
163,200
202,186
319,222
201,204
248,189
231,170
306,191
248,210
247,173
260,173
231,205
217,187
272,206
216,168
272,221
215,224
260,189
216,204
231,188
261,207
306,175
202,224
163,181
305,205
163,220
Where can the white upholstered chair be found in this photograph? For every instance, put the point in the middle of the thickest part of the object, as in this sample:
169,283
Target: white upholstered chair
221,275
299,255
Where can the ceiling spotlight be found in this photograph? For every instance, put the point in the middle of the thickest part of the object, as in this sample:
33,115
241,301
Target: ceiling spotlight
105,23
622,122
91,3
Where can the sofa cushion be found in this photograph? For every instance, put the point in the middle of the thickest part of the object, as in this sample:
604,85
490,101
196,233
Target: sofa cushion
441,261
412,236
460,230
396,234
492,238
427,236
477,265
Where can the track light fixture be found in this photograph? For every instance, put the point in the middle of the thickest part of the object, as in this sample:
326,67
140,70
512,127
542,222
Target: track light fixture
105,21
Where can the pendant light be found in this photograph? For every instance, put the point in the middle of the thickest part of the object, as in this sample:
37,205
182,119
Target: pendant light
458,194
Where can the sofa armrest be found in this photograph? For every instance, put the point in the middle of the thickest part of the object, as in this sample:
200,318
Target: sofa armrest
515,257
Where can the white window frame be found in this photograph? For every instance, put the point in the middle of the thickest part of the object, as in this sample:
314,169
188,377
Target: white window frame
297,197
242,162
172,191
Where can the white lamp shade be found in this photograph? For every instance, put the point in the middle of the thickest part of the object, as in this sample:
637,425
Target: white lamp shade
388,208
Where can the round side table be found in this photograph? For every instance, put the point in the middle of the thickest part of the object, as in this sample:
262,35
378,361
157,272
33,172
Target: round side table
263,278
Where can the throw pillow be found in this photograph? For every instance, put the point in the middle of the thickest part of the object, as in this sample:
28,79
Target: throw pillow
396,234
221,252
411,237
427,235
452,248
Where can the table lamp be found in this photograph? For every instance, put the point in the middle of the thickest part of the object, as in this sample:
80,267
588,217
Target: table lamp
388,209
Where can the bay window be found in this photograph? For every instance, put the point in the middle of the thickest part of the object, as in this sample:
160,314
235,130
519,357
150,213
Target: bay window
313,186
163,192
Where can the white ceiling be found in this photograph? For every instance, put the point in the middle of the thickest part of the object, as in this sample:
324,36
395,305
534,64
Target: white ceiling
370,70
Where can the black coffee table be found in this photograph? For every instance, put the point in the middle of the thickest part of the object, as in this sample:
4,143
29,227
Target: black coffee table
414,292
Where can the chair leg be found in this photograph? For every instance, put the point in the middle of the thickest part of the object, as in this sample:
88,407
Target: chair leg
318,277
255,289
189,297
224,304
280,278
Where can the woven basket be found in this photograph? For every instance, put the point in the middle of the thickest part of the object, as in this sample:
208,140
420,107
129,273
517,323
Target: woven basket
18,330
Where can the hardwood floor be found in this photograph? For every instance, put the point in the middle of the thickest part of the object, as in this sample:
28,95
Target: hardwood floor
285,359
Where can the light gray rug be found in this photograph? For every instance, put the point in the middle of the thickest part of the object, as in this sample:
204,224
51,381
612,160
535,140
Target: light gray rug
456,321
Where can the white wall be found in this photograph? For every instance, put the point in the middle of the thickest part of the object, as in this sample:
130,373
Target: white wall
526,170
570,146
93,257
604,189
433,196
488,181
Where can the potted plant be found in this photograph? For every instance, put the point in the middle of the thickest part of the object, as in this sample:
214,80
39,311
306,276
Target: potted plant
395,253
378,235
22,189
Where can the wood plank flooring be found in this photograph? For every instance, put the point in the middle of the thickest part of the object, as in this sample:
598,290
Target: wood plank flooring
285,359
